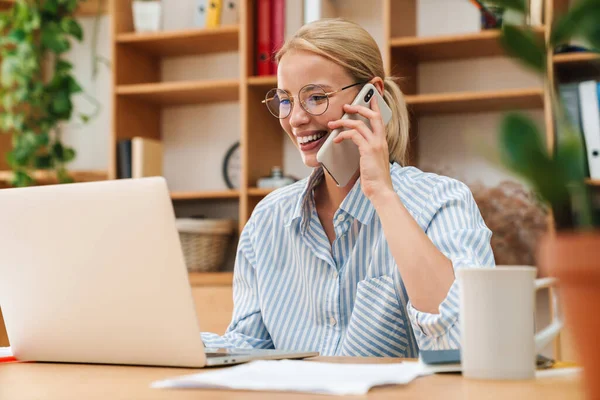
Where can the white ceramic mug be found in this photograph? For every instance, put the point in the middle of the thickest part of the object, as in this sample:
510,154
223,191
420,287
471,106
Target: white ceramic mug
497,307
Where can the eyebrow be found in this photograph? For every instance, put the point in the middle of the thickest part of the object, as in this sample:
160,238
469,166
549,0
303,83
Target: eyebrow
325,86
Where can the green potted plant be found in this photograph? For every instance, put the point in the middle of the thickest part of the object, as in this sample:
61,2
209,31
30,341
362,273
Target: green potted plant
572,251
37,85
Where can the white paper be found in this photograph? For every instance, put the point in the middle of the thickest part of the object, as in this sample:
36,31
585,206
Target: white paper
299,376
5,352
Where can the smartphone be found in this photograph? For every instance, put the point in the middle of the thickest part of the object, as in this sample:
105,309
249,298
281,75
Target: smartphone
342,160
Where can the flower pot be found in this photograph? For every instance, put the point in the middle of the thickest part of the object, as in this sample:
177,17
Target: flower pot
575,260
147,15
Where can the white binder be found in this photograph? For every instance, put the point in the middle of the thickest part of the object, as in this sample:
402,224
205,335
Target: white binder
590,123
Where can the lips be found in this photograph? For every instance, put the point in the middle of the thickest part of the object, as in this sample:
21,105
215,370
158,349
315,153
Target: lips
314,144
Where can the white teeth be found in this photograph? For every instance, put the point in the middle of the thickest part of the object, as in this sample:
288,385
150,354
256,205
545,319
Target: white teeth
307,139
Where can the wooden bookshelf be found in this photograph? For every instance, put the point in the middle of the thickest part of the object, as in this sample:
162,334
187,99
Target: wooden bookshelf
266,82
183,42
259,192
86,8
472,102
206,195
182,93
575,58
451,47
49,177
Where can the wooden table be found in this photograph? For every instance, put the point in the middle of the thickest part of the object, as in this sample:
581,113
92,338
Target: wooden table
71,381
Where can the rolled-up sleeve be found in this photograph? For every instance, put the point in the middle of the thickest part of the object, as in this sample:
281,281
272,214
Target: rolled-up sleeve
247,329
454,224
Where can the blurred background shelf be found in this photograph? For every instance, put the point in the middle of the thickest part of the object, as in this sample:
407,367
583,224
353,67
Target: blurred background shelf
576,58
451,47
86,8
266,82
259,192
470,102
206,195
182,93
49,177
183,42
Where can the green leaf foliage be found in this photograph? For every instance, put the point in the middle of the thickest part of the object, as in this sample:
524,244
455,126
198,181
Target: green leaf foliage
524,45
33,105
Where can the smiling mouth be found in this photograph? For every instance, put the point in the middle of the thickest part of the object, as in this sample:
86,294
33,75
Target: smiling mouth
306,140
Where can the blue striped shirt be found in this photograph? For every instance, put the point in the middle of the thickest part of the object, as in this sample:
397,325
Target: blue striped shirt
293,290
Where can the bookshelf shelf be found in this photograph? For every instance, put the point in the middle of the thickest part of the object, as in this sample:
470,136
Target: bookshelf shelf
206,195
86,8
183,42
210,278
181,93
450,47
49,177
469,102
259,192
593,182
262,81
575,58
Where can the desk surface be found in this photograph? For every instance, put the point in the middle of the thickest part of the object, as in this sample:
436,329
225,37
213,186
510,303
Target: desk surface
70,381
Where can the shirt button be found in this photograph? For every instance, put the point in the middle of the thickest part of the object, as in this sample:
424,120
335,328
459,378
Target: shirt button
341,217
332,321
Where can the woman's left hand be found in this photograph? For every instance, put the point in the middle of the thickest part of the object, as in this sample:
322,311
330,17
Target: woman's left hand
372,145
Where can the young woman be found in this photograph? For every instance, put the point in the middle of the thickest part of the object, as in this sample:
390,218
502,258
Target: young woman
362,270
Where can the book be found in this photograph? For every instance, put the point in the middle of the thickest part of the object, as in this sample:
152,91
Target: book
200,13
213,15
230,13
590,121
139,157
146,157
124,159
263,37
277,31
569,95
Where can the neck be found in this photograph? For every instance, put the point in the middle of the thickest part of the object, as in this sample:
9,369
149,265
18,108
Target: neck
330,195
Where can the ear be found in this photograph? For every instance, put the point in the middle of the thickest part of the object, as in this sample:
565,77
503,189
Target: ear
378,83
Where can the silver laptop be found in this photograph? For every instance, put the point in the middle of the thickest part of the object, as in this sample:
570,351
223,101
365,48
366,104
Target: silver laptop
94,273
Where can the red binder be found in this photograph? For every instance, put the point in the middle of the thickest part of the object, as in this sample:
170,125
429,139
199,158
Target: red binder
263,37
277,31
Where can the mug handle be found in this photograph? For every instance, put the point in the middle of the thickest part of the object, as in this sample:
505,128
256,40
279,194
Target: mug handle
544,337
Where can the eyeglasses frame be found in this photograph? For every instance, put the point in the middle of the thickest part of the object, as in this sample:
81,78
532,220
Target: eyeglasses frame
328,94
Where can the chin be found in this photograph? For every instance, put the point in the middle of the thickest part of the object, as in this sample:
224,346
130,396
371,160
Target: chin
310,160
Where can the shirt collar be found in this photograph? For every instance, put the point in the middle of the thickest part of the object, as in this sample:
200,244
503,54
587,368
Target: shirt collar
356,204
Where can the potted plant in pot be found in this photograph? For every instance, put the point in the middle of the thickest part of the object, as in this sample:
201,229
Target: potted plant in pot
37,85
572,253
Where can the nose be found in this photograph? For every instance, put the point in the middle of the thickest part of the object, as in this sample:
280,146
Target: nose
298,116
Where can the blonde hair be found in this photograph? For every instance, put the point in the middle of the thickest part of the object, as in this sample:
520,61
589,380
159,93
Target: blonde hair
352,47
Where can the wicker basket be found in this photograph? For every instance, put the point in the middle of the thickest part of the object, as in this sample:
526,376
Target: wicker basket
204,242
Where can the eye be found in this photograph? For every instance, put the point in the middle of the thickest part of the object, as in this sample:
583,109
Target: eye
317,98
284,102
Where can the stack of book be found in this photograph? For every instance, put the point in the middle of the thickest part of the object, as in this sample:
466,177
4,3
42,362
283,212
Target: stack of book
139,157
276,21
214,13
582,105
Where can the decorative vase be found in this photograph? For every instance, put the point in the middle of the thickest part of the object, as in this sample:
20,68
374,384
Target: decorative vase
575,260
147,15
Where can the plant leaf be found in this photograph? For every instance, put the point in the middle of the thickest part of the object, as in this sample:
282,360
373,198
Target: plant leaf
523,151
72,27
582,13
518,5
525,46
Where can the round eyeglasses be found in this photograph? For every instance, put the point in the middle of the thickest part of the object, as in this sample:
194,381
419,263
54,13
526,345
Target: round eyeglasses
313,99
